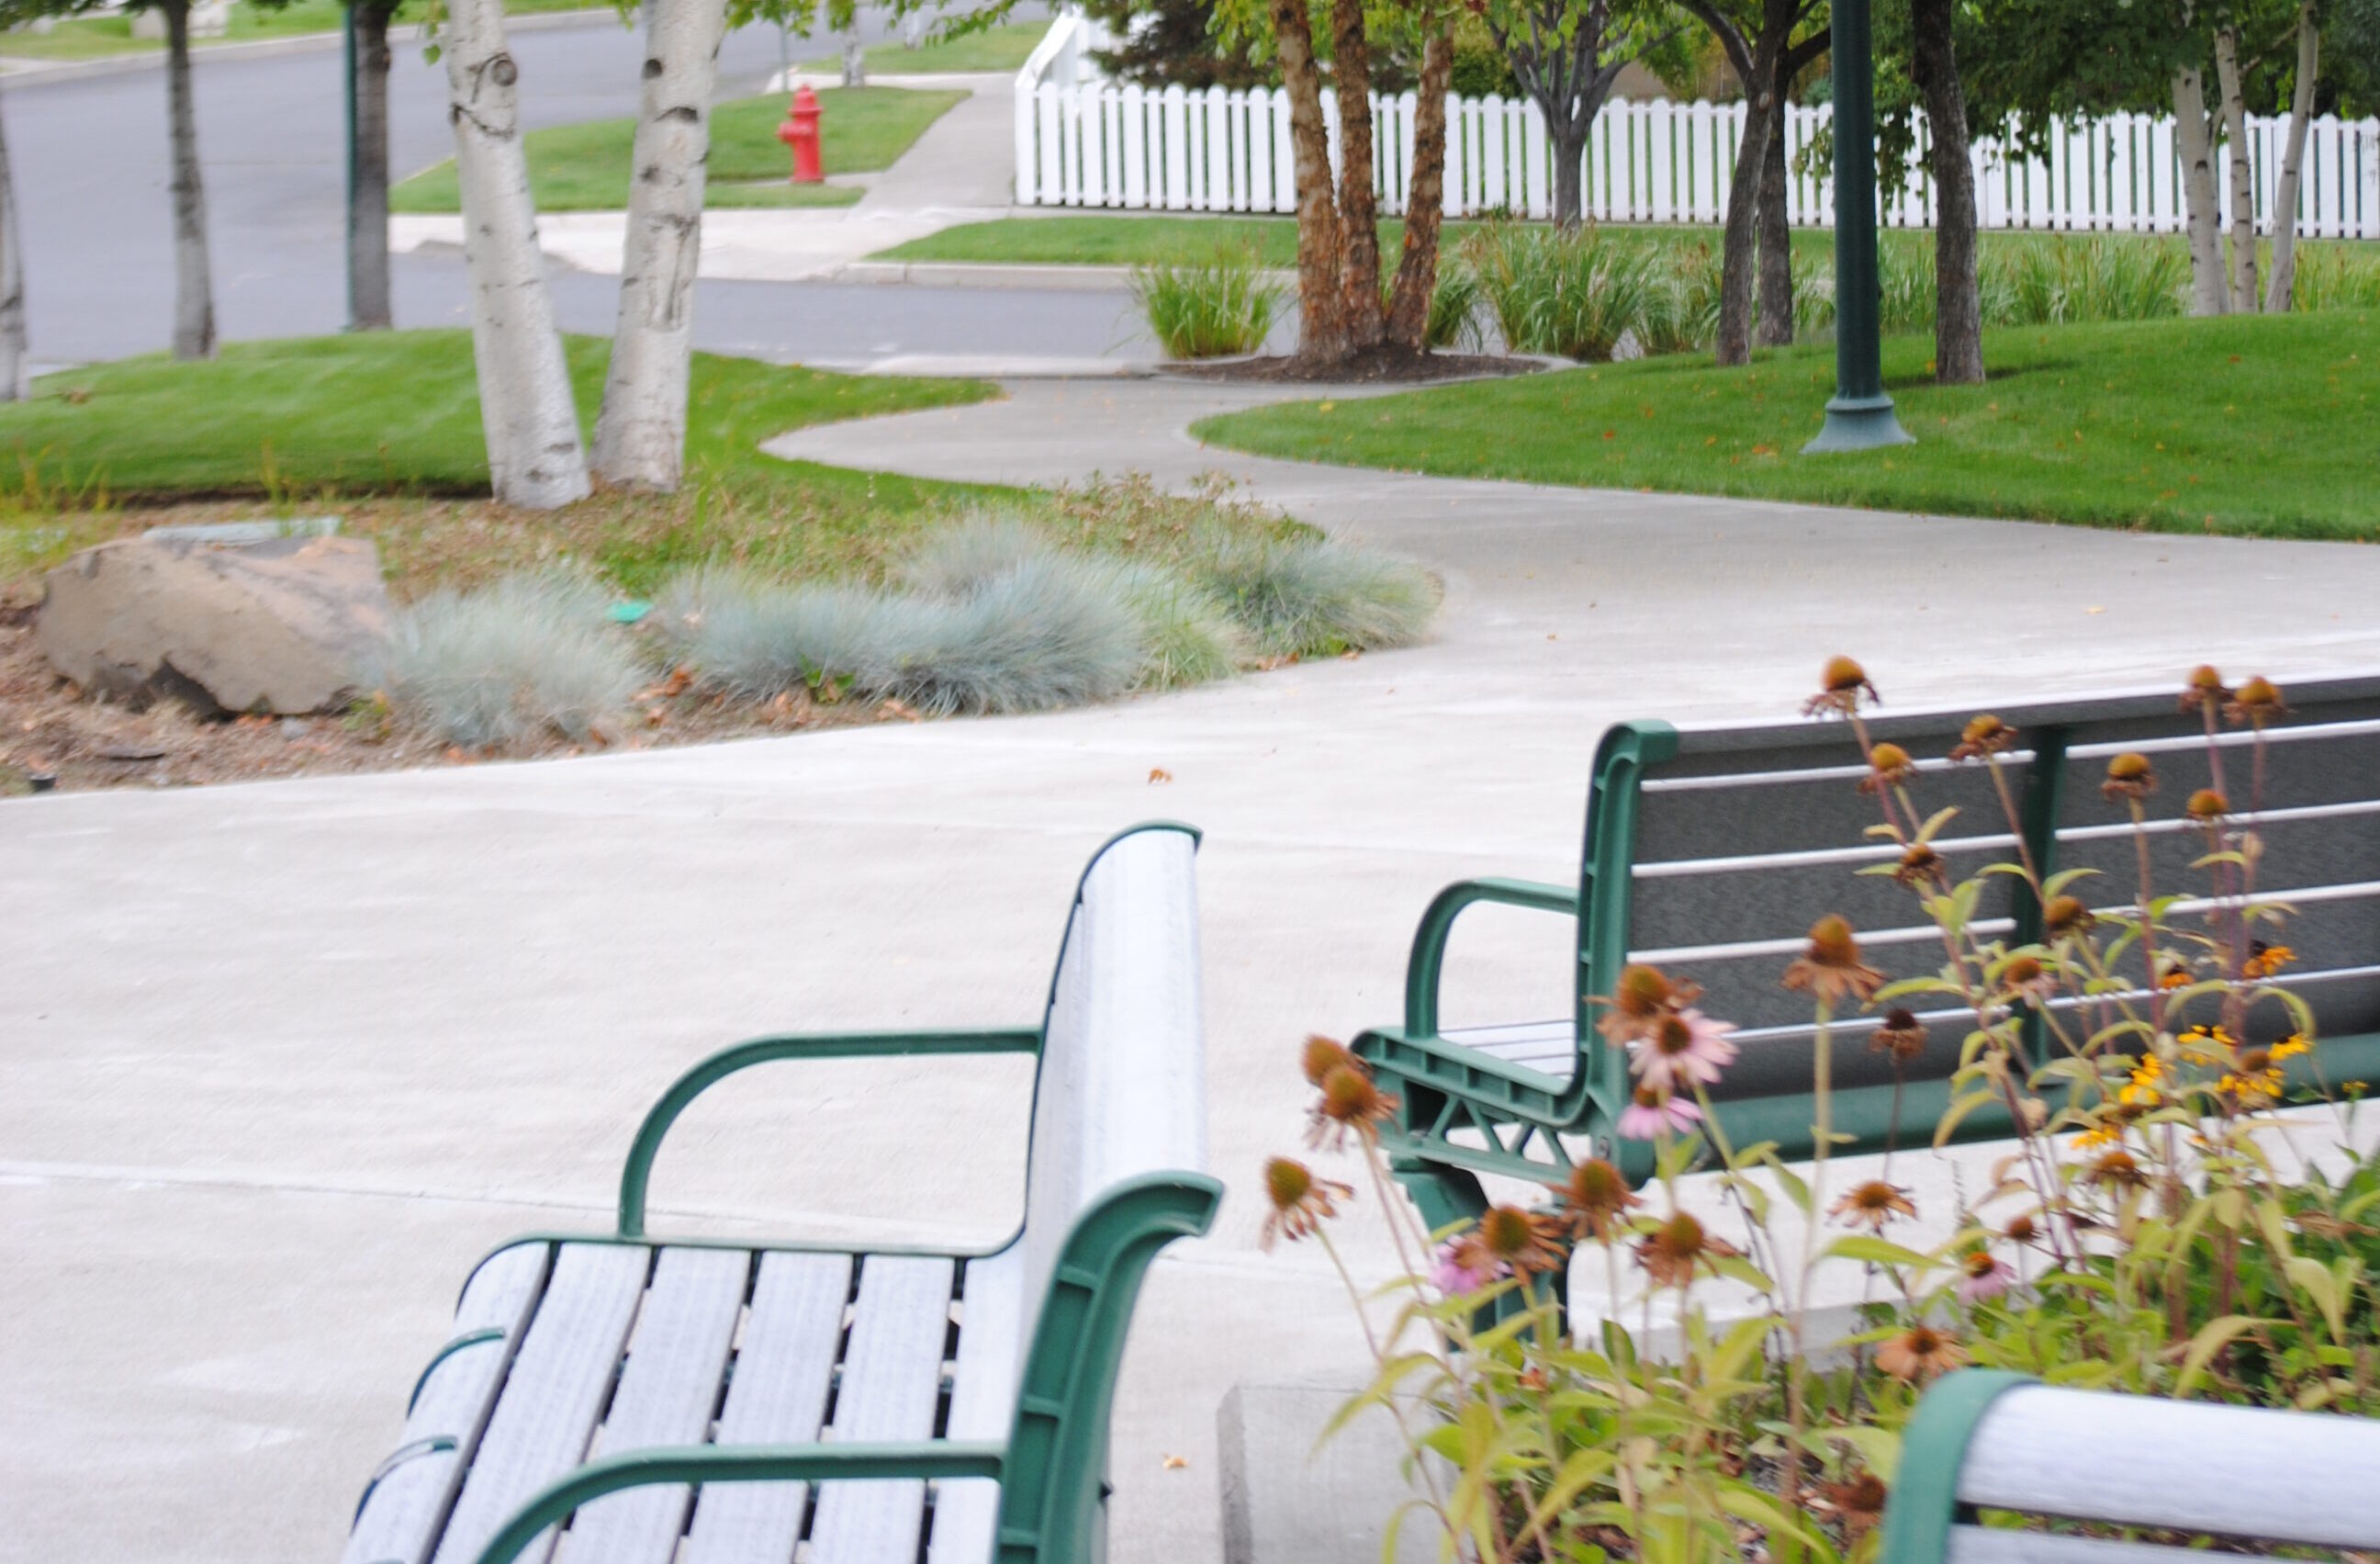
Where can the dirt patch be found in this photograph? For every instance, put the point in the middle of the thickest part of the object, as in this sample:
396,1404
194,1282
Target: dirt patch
1381,365
53,737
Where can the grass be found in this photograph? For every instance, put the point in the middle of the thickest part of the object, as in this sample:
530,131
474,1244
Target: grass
384,427
1213,309
86,38
585,167
2257,426
994,48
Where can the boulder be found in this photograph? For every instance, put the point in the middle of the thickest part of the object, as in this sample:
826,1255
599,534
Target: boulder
282,624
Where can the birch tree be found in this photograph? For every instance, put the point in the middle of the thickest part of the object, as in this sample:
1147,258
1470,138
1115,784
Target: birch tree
368,201
2193,141
194,298
526,406
13,382
2281,286
2243,298
640,434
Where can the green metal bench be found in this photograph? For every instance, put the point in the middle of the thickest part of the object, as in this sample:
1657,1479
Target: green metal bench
1710,852
1983,1439
706,1403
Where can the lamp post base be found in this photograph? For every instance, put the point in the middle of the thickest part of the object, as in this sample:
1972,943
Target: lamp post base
1859,424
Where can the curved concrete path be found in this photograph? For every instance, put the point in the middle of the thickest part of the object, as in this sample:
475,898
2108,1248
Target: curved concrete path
281,1059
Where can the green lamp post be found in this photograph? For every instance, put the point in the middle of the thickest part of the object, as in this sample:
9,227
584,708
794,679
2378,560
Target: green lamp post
1859,416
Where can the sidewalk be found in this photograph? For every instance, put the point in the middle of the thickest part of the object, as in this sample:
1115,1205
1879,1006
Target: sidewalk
959,171
285,1058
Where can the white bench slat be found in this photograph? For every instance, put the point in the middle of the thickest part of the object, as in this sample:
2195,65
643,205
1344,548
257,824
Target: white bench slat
776,1395
892,1385
983,1402
1993,1545
547,1413
1548,1047
393,1524
1123,1087
2300,1477
668,1386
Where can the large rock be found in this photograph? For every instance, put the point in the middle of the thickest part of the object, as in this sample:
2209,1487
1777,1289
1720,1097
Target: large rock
281,624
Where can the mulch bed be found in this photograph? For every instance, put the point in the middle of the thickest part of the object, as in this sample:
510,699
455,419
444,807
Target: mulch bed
1380,365
53,737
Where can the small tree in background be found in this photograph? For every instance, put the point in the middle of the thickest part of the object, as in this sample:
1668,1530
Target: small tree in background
1565,55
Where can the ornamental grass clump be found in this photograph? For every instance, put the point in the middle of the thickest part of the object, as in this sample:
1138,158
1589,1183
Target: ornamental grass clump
534,655
2152,1225
1311,597
1573,295
1211,309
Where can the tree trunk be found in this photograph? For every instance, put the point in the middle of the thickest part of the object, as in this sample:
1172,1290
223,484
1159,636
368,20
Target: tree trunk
640,435
194,296
1567,149
12,381
1776,315
1736,245
2244,297
2194,141
1351,73
526,405
1321,308
1958,301
2281,288
367,217
1408,325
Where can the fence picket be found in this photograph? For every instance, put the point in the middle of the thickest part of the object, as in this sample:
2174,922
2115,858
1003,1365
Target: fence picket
1099,145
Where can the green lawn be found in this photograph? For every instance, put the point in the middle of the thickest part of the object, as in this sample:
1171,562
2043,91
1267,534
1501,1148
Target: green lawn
2262,426
83,38
585,167
995,48
315,422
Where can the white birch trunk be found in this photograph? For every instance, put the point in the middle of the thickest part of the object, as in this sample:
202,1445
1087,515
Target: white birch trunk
2244,297
640,435
2195,139
534,454
13,384
2281,286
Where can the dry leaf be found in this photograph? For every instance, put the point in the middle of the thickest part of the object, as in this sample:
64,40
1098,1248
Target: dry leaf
1175,1463
1158,774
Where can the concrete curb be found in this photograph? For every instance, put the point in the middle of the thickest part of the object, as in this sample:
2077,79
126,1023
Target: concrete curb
966,273
37,73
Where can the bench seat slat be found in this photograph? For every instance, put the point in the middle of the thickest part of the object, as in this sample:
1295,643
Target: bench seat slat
546,1415
397,1515
776,1395
890,1390
983,1402
1549,1047
668,1386
2300,1477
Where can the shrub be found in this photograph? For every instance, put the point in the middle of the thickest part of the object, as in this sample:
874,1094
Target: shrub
1041,633
758,638
1454,309
2064,281
1681,309
1187,635
1574,295
1307,597
2335,278
1223,307
528,655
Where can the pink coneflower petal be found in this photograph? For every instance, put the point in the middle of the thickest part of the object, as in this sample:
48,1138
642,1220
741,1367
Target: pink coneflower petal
1682,1049
1655,1112
1987,1276
1455,1279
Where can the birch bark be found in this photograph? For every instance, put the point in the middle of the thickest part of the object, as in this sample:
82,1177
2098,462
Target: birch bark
640,434
2244,297
526,405
2195,140
2281,286
194,296
13,384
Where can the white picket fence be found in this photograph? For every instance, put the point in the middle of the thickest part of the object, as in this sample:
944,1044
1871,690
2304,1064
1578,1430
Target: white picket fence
1090,143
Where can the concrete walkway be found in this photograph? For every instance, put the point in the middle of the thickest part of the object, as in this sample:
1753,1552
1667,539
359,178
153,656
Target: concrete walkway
959,171
283,1060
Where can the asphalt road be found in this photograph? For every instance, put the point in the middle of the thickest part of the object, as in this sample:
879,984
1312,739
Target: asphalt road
90,159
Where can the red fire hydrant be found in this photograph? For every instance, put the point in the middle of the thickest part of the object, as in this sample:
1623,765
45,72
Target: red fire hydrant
800,132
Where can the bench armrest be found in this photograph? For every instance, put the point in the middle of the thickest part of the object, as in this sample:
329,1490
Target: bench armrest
739,1464
1438,922
766,1050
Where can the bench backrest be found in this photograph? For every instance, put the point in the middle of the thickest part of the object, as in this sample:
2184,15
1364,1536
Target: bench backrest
1710,852
1989,1440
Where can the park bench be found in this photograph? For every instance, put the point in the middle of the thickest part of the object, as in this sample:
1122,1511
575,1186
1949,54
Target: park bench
1986,1440
947,1408
1710,850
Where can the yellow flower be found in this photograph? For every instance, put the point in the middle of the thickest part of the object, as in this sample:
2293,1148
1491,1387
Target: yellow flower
2290,1047
2263,960
2098,1135
2146,1086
